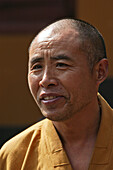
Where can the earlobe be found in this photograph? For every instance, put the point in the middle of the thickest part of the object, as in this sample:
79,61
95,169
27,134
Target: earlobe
101,71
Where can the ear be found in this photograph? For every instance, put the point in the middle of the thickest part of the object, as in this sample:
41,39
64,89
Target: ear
101,69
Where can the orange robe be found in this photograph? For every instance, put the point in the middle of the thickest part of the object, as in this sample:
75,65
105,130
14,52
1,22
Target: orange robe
39,147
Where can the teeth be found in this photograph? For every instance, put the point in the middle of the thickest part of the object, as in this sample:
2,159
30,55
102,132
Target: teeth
49,97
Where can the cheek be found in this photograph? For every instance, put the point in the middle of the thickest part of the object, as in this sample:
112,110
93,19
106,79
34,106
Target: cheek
71,84
70,80
33,84
74,84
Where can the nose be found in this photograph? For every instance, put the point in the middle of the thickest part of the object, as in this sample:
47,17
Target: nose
48,79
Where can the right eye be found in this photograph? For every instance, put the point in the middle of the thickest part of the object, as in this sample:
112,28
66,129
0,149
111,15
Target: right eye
36,67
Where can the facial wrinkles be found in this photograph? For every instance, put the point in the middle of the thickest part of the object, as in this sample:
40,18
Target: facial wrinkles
52,40
48,71
44,45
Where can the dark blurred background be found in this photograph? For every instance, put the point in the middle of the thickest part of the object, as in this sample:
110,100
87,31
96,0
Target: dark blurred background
20,21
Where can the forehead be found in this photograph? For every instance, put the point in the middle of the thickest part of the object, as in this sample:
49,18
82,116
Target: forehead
50,39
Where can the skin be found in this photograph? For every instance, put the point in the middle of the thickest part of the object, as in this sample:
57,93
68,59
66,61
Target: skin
65,90
63,77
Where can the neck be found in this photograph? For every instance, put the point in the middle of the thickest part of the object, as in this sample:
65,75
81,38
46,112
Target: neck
81,127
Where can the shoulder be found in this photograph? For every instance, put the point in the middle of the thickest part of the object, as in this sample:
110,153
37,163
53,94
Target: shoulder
20,142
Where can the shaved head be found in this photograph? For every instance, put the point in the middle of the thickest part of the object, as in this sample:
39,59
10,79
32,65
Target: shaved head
91,41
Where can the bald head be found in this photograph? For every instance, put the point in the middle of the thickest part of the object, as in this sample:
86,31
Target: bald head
91,41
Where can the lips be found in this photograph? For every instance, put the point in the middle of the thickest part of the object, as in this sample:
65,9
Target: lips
49,98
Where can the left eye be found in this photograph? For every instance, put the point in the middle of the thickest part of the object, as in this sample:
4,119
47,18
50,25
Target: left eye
61,65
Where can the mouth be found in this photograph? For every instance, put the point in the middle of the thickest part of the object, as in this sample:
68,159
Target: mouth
50,98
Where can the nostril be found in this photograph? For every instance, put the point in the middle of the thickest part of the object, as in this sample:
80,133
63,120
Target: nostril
51,85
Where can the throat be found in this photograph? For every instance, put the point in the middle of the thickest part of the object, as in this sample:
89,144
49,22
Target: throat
80,153
79,128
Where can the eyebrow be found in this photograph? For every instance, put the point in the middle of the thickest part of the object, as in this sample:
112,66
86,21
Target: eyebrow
35,60
58,57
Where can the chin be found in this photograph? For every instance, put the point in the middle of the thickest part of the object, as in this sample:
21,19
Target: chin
55,116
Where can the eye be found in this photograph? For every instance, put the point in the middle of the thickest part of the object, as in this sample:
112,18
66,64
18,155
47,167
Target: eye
61,65
36,67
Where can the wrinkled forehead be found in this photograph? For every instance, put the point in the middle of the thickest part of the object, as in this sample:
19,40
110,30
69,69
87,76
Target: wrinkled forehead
50,38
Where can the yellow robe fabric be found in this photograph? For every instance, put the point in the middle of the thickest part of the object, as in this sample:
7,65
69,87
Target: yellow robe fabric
39,147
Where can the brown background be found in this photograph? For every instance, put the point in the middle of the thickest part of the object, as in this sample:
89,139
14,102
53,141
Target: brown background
20,20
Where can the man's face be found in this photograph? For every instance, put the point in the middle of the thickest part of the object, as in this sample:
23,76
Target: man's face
59,76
